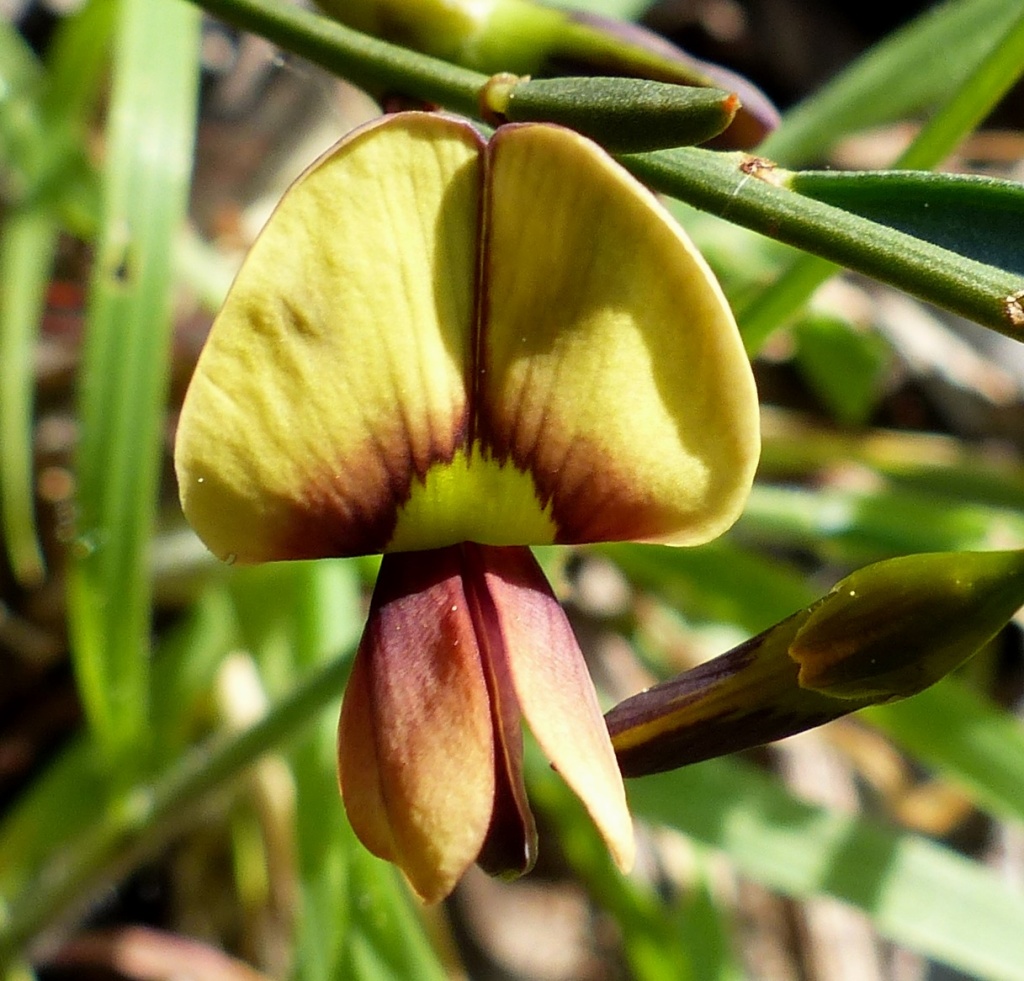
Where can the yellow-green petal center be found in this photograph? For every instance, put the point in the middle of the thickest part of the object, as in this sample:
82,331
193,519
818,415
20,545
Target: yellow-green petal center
474,498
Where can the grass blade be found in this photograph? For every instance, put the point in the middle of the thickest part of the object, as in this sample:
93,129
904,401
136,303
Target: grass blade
916,892
895,78
152,123
27,241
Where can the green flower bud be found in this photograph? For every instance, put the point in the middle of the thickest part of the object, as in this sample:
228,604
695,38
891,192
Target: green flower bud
896,627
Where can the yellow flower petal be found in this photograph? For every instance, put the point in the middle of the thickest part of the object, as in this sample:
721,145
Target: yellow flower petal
433,342
336,371
426,703
613,369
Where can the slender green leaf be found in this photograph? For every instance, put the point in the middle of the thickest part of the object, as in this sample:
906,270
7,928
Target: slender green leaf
45,112
717,582
992,68
738,187
931,463
27,242
622,9
857,527
842,365
76,788
978,217
21,133
142,814
653,942
124,374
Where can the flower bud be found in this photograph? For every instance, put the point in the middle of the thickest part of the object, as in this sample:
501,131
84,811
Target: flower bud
893,628
887,631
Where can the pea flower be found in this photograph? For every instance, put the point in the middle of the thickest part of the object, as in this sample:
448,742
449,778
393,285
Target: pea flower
446,349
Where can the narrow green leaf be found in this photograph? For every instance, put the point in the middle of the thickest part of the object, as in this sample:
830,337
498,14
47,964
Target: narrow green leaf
77,786
716,582
19,66
124,374
978,217
625,115
20,120
844,366
930,463
994,61
916,893
143,813
855,527
27,242
654,945
77,59
706,931
623,9
745,190
44,109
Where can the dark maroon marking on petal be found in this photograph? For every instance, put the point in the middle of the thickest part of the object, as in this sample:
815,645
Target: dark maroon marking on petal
510,848
588,504
354,511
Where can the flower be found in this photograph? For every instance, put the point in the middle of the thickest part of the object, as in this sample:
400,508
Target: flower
446,349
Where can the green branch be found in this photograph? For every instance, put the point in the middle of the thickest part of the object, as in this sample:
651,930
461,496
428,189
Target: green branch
738,188
362,60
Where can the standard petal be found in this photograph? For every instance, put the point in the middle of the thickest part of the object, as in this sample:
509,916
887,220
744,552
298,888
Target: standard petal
335,373
612,368
555,693
431,719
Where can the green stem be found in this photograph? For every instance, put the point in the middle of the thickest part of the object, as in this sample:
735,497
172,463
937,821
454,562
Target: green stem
362,60
966,107
148,813
726,185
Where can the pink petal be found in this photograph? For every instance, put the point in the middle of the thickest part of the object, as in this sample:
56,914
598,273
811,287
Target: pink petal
510,848
358,769
429,711
555,693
